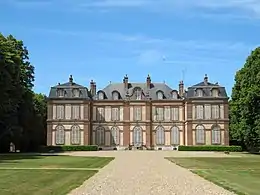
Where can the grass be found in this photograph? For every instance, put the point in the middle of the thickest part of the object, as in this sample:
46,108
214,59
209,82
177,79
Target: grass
30,161
42,180
238,174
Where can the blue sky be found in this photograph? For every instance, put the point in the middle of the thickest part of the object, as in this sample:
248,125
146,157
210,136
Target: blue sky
106,39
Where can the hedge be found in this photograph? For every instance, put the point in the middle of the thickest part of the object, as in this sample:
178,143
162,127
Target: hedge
211,148
68,148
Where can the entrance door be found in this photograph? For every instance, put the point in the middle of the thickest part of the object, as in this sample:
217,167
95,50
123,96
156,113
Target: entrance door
137,136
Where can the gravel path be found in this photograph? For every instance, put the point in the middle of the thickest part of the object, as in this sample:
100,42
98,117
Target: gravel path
145,173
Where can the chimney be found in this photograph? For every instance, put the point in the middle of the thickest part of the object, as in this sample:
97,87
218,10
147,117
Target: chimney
93,88
181,88
206,79
71,79
125,81
148,81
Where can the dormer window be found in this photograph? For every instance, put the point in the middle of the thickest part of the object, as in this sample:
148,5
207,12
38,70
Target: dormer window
76,92
138,94
100,95
174,95
160,95
199,92
115,95
60,93
215,92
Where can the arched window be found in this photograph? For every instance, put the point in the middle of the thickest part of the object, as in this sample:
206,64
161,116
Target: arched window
199,92
160,137
100,136
137,136
159,95
216,135
115,95
75,135
138,94
115,136
215,92
100,95
175,136
60,135
174,95
76,93
200,134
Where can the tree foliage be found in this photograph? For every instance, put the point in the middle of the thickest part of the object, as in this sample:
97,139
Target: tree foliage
245,103
22,113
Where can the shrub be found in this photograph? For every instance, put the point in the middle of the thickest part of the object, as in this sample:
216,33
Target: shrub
211,148
68,148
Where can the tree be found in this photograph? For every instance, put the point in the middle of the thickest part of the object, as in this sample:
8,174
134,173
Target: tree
22,112
245,103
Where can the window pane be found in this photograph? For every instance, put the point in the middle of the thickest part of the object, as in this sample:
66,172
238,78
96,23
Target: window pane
60,135
175,136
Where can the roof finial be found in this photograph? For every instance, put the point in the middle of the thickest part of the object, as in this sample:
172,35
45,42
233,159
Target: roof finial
71,79
206,79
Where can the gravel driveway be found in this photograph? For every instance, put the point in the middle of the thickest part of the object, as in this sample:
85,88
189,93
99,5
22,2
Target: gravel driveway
146,173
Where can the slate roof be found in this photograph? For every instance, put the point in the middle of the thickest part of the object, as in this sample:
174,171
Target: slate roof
120,88
68,87
207,88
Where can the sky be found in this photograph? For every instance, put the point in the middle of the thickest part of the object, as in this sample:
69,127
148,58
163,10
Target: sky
103,40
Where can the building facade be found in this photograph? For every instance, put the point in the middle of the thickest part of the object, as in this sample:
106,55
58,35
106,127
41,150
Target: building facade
147,115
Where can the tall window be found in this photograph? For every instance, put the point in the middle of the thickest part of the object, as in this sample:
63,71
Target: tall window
100,95
115,136
160,137
75,135
138,94
115,114
175,136
60,135
199,112
115,95
174,95
216,135
159,114
137,136
100,136
199,92
200,134
137,113
100,114
159,95
215,92
75,112
175,114
207,111
215,111
60,112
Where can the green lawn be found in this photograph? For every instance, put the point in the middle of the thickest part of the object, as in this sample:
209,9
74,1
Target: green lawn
31,161
45,181
238,174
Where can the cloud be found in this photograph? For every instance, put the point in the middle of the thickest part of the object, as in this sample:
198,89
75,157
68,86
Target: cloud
230,9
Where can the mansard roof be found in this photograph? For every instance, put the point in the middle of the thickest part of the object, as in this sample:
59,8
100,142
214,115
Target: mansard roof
152,91
207,88
68,88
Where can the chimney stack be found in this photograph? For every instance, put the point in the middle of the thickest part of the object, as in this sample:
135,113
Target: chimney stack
125,81
206,79
148,82
93,88
181,88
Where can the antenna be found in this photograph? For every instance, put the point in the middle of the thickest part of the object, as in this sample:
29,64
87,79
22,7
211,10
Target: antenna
184,73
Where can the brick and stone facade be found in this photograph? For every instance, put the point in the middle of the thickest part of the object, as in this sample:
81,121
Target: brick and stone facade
138,115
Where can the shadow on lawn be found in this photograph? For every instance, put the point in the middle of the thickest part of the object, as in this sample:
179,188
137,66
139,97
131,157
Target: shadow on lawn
14,157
